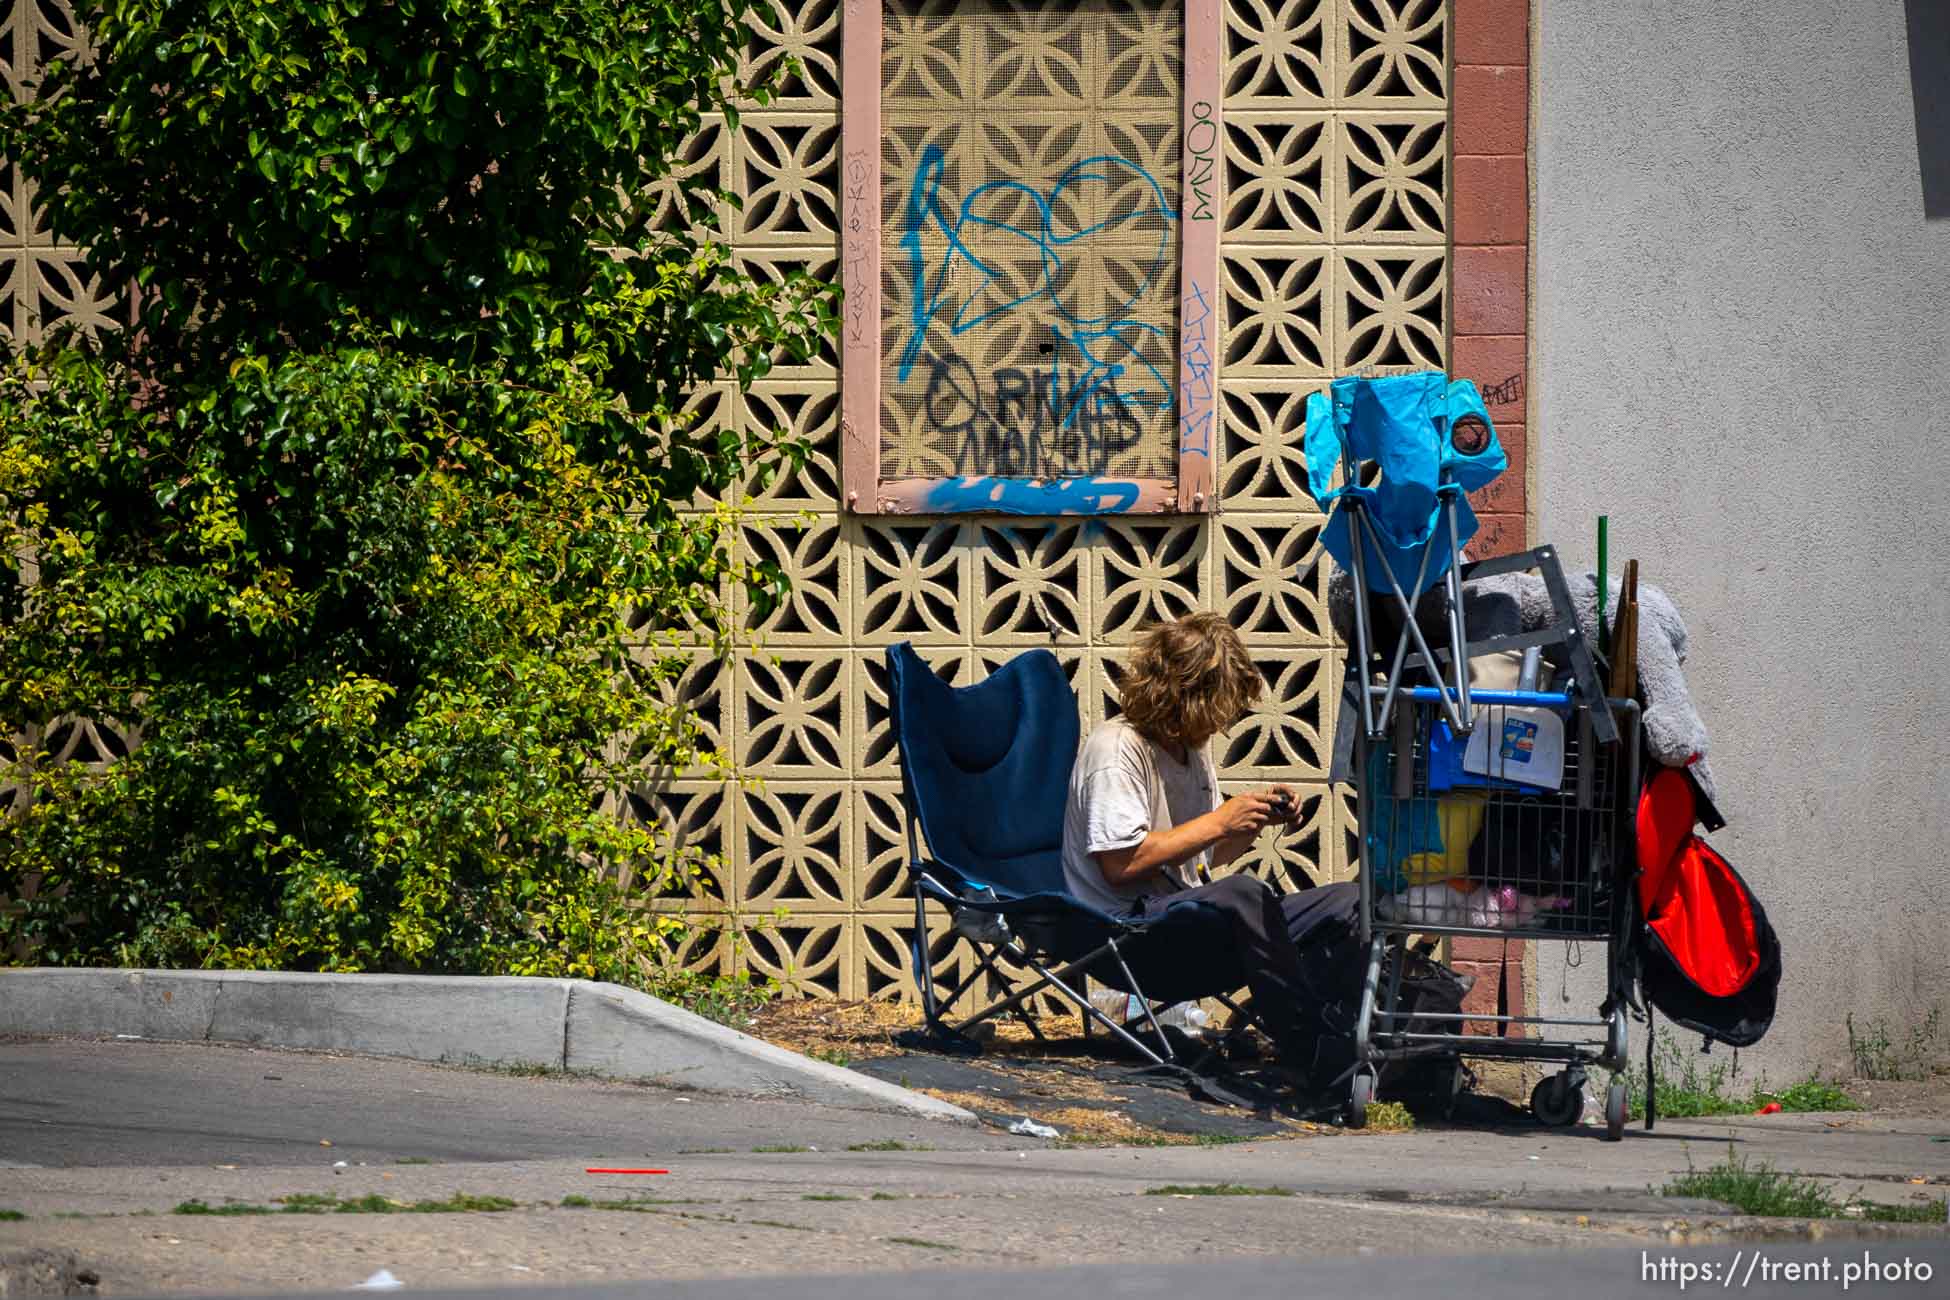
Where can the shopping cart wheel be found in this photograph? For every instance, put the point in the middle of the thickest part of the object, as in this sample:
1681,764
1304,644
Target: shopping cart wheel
1615,1111
1359,1096
1558,1100
1460,1081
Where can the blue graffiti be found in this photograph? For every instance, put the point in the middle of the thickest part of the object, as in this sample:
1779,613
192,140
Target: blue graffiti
1014,496
1104,346
1196,416
1102,355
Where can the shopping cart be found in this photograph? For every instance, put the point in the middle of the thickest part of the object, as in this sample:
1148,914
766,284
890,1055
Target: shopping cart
1540,864
1463,830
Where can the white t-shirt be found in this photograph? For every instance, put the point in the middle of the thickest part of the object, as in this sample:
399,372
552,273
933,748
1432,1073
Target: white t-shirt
1122,788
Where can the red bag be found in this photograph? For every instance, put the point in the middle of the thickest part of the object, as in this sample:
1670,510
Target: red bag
1708,958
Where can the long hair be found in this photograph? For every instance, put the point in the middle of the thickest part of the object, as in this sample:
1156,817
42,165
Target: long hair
1188,680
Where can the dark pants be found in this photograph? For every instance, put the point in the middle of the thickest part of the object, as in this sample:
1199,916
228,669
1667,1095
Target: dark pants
1298,954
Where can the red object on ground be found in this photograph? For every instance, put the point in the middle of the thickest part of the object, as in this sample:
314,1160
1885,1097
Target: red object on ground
626,1171
1771,1108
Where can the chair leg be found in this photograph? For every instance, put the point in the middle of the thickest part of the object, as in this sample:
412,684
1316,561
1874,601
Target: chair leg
1239,1020
1149,1016
1054,979
1411,630
967,983
923,965
999,985
936,1033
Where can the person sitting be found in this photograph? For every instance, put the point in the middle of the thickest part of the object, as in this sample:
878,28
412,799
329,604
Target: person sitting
1144,829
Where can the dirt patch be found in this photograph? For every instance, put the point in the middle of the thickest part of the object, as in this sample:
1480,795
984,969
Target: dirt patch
1106,1125
1929,1096
815,1027
1092,1090
862,1029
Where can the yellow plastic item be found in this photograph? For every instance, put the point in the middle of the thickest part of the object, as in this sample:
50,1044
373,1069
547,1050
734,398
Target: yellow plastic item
1459,816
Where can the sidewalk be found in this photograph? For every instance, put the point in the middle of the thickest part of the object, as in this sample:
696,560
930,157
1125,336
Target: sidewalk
747,1194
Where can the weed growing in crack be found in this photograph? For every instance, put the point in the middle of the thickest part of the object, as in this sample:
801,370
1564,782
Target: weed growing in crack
1758,1188
1689,1089
1877,1056
311,1203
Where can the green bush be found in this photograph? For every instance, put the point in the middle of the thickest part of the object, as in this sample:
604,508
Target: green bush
372,532
443,167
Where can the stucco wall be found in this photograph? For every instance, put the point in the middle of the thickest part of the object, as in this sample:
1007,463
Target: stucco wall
1743,325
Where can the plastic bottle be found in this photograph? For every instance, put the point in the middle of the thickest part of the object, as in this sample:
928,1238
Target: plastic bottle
1593,1115
1126,1009
1111,1003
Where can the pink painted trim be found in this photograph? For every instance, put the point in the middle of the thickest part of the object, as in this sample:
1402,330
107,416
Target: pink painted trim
1199,321
912,496
860,38
1199,214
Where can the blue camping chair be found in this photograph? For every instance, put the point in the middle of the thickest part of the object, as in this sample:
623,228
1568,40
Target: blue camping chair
1401,530
985,771
1432,442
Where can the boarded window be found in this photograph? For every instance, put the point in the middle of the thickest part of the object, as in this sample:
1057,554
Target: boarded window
1029,253
1043,172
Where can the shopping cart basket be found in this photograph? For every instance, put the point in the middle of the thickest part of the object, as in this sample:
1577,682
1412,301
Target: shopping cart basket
1463,830
1491,852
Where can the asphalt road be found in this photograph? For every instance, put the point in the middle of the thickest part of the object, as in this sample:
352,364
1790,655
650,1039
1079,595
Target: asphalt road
115,1155
76,1103
1907,1268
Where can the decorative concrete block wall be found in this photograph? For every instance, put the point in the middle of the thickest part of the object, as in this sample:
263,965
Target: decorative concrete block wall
1372,207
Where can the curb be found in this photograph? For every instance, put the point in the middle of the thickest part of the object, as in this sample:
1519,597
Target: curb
575,1025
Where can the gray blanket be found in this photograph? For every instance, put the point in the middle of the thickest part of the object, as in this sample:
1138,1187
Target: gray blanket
1518,602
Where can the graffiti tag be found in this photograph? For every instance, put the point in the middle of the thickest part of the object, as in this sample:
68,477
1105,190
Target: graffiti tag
1195,396
1201,143
859,173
